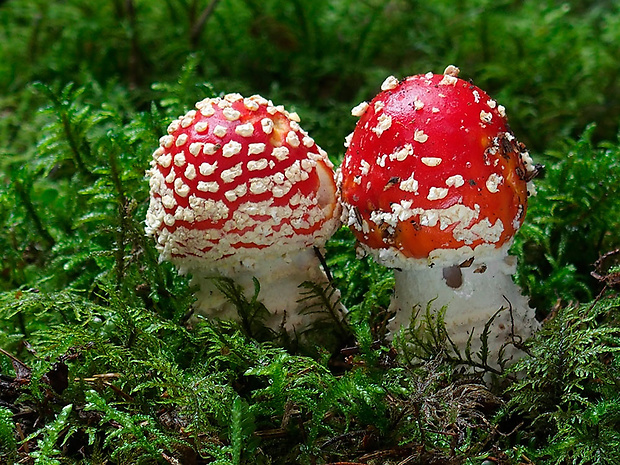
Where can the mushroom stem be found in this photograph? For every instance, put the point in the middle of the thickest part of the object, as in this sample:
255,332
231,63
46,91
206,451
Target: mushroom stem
279,276
472,295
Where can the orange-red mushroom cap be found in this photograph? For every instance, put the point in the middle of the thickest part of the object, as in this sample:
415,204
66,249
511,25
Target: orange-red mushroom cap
238,177
432,167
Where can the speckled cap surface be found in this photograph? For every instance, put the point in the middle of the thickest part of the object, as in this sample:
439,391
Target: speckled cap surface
238,177
432,167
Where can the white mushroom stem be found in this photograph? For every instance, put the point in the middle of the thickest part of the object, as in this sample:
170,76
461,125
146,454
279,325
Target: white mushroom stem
472,296
279,277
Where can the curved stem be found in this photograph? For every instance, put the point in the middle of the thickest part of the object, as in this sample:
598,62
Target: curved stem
281,291
485,312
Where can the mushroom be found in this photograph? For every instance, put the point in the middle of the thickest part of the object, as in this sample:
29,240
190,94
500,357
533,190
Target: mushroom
435,185
239,190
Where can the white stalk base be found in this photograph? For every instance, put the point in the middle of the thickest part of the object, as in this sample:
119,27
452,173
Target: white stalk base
471,300
279,277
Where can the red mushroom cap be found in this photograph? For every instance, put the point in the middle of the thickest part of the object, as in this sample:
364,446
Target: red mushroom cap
432,166
238,176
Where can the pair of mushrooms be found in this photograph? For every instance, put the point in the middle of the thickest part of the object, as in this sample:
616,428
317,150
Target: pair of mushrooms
433,184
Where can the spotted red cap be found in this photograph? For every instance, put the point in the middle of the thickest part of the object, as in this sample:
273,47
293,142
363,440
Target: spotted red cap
238,176
433,167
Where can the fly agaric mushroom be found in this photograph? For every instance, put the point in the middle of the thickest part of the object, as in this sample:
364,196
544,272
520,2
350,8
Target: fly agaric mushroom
239,190
435,185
